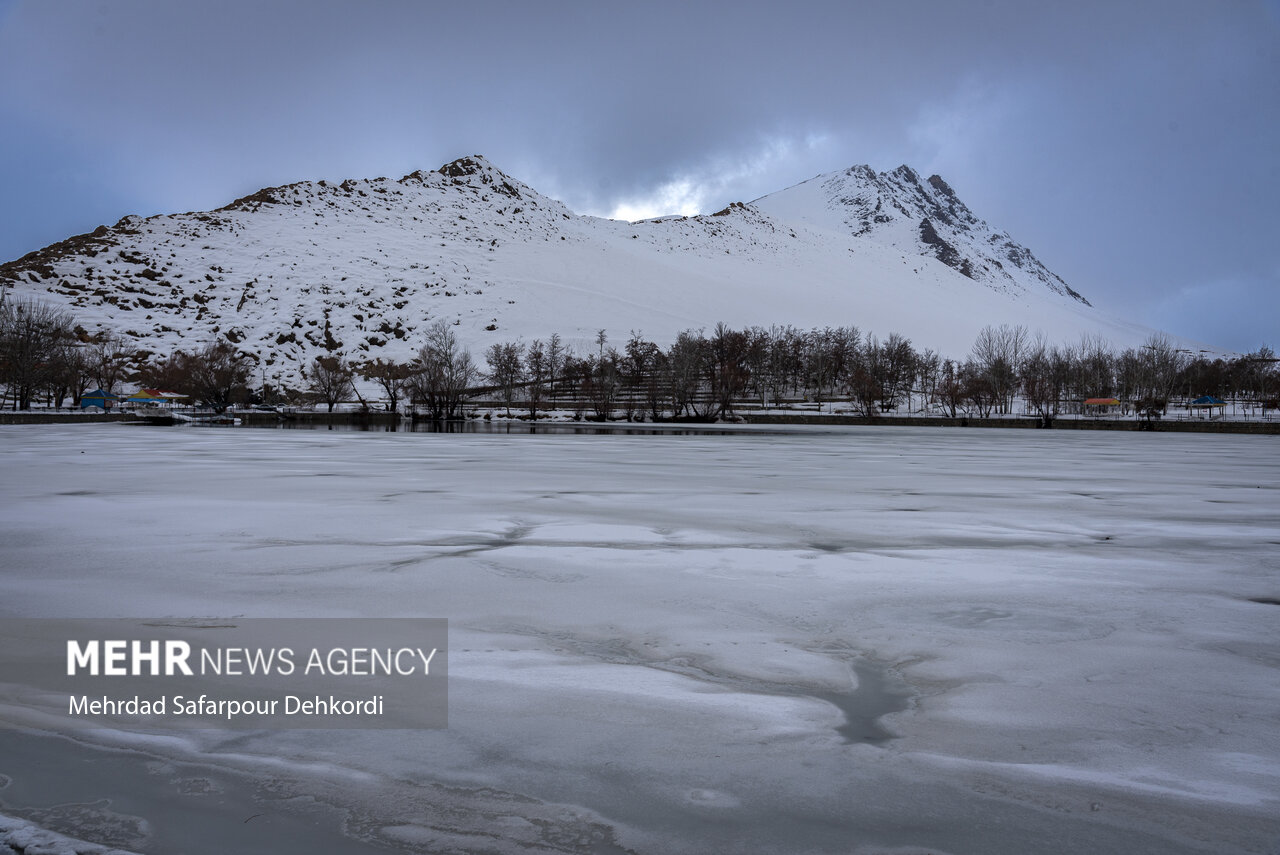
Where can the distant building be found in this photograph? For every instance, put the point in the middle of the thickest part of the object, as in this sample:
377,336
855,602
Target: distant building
98,398
1101,406
166,398
154,398
1206,404
142,398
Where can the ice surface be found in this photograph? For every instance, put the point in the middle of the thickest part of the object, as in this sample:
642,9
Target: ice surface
655,640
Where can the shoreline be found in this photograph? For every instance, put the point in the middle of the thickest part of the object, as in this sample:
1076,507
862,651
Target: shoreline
251,418
1020,422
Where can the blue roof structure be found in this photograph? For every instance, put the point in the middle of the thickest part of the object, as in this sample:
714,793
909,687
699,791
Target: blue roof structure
97,398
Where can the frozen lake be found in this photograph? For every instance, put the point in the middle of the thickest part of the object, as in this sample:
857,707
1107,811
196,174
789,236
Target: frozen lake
896,640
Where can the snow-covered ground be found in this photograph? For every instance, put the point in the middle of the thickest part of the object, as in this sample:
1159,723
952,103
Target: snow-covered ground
657,641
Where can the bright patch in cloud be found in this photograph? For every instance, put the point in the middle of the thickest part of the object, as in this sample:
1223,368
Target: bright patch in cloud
720,182
683,197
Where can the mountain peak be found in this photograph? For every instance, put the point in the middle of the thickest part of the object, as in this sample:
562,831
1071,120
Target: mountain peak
476,172
919,217
473,165
907,173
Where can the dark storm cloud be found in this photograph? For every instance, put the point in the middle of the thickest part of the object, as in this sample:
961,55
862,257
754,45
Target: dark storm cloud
1130,145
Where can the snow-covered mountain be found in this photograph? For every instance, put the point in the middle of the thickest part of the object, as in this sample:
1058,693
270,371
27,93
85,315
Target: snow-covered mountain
920,217
361,268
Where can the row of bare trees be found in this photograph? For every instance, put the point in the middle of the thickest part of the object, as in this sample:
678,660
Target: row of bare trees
45,358
435,383
704,376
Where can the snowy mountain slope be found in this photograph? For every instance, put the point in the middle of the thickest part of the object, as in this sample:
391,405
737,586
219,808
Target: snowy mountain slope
363,267
920,217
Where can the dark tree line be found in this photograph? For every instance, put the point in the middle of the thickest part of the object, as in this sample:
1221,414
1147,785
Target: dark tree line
704,376
36,351
45,358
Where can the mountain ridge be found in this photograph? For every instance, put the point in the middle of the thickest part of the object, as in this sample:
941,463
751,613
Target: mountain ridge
361,267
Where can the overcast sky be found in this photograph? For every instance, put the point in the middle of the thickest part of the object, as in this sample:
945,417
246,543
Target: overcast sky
1133,146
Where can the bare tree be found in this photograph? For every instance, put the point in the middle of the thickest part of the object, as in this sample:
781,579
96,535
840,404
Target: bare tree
1160,365
556,356
602,382
1093,372
881,374
170,373
216,375
843,344
537,371
330,379
951,388
1045,373
928,373
639,375
72,376
506,369
442,373
862,379
727,367
390,375
786,363
998,352
981,395
110,359
685,370
900,369
757,365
